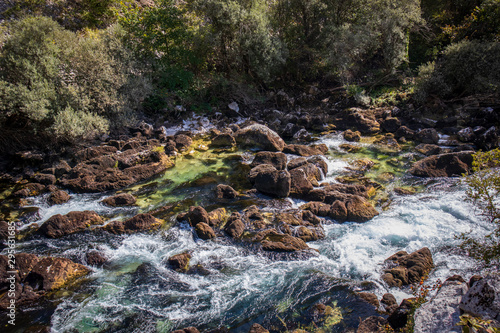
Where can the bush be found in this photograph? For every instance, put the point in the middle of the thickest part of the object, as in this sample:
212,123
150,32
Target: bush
65,86
465,68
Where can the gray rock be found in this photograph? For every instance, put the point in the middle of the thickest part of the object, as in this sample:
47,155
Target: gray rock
483,298
441,313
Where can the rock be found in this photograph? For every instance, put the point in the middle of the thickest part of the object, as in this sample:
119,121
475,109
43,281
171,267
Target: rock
302,150
278,160
256,328
404,132
45,179
223,140
338,211
399,318
5,230
391,124
474,279
217,217
428,149
359,210
441,312
59,225
94,258
260,137
180,262
300,185
389,302
408,268
483,298
485,141
268,180
138,223
283,243
190,329
352,136
427,135
58,197
197,214
297,162
309,234
52,273
204,231
234,226
373,324
444,165
362,120
369,298
317,208
182,142
225,192
122,199
466,135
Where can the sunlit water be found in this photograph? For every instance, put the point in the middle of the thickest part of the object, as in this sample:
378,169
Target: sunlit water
238,284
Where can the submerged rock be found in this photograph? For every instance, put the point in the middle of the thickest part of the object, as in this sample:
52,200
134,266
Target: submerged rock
234,226
260,137
444,165
122,199
94,258
62,225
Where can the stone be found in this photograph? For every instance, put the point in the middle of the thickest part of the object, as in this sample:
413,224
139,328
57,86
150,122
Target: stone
359,210
276,159
53,273
234,226
444,165
389,302
373,324
217,217
408,268
427,135
338,211
369,298
197,214
179,262
225,192
94,258
283,243
404,132
399,318
182,142
138,223
483,298
62,225
302,150
58,197
428,149
223,140
300,185
297,162
466,135
352,136
204,231
362,120
256,328
441,312
487,140
391,124
259,137
118,200
268,180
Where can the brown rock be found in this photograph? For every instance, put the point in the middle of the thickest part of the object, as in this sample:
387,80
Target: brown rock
338,211
370,298
234,226
122,199
300,185
197,214
256,328
268,180
59,225
180,262
351,136
283,243
317,208
261,137
373,324
182,142
223,140
52,273
296,162
58,197
428,149
444,165
404,132
427,135
138,223
302,150
276,159
204,231
217,217
359,210
408,268
389,302
225,192
94,258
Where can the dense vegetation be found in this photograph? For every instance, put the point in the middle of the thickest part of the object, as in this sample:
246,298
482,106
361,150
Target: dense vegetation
76,69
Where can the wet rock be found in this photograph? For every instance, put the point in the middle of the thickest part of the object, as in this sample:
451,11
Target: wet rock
427,135
404,132
487,140
483,298
408,268
29,190
223,140
5,231
256,328
118,200
359,210
197,214
352,136
428,149
310,217
302,150
182,142
260,137
283,243
399,318
317,208
362,120
225,192
62,225
369,298
309,234
297,162
474,279
338,211
444,165
389,302
441,312
320,163
373,324
180,262
94,258
466,135
217,217
276,159
58,197
45,179
204,231
300,185
234,226
350,148
391,124
53,273
254,218
138,223
268,180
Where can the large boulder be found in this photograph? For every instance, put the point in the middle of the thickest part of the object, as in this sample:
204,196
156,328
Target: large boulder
234,226
428,135
300,185
483,298
179,262
197,214
62,225
303,150
52,273
223,140
441,313
359,209
276,159
58,197
405,269
138,223
204,231
359,119
444,165
225,192
122,199
259,137
282,243
268,180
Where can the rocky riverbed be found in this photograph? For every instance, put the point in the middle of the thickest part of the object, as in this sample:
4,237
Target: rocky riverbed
301,224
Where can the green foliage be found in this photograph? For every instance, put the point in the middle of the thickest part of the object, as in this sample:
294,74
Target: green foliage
465,68
484,191
472,324
63,85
